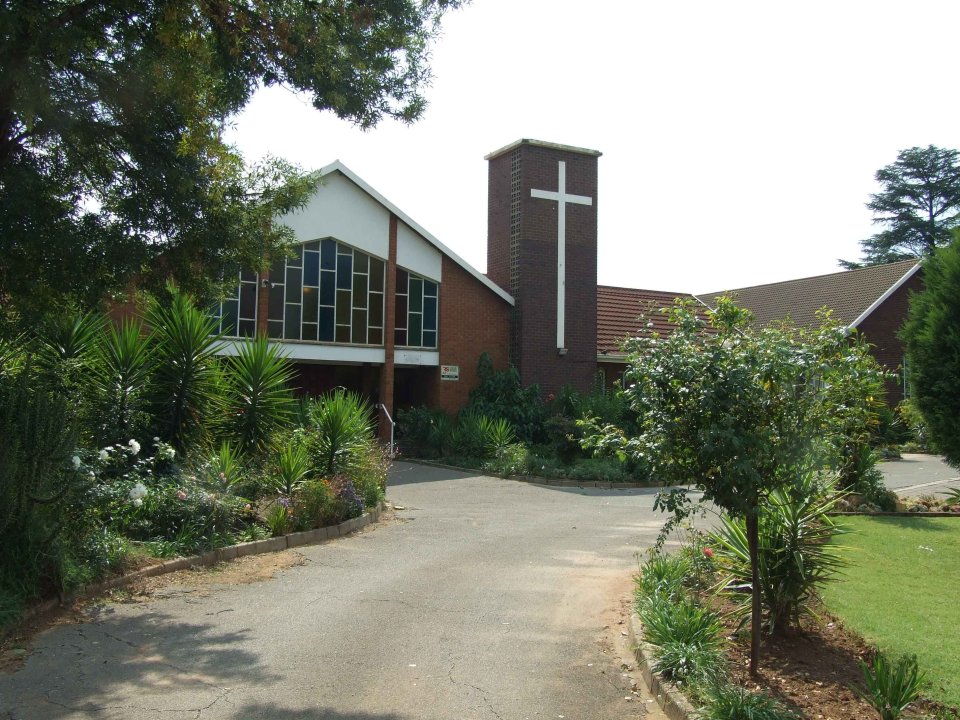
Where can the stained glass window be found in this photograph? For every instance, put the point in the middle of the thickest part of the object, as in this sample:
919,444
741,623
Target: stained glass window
417,306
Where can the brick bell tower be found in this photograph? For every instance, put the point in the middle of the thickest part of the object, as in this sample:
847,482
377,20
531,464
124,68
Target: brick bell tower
542,248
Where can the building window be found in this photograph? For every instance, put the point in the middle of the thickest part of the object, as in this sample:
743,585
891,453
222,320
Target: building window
237,314
327,292
417,304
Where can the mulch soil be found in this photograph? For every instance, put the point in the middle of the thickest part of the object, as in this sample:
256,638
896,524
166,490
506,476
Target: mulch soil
813,671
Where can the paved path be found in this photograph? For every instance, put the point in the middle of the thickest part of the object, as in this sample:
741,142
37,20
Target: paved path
484,599
915,474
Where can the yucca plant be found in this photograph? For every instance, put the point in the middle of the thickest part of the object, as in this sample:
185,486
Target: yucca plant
892,688
120,369
186,383
340,426
498,434
293,466
63,350
795,552
470,437
257,394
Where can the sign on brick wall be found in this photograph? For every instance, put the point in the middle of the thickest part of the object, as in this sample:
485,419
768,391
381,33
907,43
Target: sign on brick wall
449,372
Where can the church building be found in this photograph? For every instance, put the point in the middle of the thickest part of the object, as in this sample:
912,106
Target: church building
372,302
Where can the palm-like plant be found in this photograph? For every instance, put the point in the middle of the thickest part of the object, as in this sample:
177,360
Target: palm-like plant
64,347
257,391
293,466
185,386
796,555
121,366
340,427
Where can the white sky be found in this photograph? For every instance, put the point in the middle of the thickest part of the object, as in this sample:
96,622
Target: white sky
739,139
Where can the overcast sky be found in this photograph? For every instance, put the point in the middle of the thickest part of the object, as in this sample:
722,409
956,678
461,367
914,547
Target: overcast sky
739,139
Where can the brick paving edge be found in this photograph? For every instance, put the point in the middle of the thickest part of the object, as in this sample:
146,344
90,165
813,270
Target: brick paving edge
674,705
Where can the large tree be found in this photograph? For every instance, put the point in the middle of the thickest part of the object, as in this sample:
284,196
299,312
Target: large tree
932,337
918,206
112,113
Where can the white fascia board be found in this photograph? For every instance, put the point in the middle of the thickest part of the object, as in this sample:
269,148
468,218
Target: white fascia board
337,166
612,359
311,352
890,291
421,358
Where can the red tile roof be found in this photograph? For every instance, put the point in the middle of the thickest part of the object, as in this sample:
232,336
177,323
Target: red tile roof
619,311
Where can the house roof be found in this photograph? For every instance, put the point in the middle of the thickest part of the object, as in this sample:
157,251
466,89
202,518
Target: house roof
851,294
337,166
619,312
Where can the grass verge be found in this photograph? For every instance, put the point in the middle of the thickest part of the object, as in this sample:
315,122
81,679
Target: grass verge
900,593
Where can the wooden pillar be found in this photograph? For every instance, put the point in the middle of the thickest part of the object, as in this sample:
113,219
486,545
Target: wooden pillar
389,324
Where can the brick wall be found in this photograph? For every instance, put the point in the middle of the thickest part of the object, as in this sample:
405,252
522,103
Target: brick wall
522,256
472,320
880,330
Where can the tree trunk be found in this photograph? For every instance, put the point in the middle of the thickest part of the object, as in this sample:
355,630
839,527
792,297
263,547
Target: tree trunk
752,533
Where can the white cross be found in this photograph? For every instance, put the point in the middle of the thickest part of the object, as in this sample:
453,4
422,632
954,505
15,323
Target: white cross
562,199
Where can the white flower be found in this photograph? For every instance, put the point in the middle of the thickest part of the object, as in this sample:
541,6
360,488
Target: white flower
93,475
76,462
137,493
104,455
138,502
168,453
133,446
156,439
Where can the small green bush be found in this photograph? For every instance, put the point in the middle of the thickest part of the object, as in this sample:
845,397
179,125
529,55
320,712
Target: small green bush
731,702
689,663
662,578
681,620
891,688
314,505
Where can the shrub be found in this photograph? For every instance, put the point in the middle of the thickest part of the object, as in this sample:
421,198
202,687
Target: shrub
423,432
680,620
499,394
292,466
690,663
340,429
257,395
120,370
662,578
892,688
796,555
509,460
731,702
314,505
919,434
186,385
369,474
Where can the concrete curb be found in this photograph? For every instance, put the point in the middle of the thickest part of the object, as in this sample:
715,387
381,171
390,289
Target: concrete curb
674,705
211,557
536,480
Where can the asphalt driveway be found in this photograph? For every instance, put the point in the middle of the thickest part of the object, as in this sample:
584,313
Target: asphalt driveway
483,598
915,474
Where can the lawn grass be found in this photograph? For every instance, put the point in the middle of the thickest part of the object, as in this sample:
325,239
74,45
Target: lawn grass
901,592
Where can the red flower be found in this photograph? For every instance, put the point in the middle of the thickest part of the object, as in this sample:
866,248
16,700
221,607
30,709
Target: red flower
708,552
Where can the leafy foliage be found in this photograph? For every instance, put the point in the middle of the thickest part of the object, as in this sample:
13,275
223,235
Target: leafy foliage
499,394
919,205
732,702
736,410
340,428
932,337
795,552
120,370
111,129
257,394
892,688
186,384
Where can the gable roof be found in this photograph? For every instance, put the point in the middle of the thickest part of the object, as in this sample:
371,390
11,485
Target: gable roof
337,166
618,315
851,294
